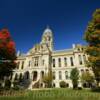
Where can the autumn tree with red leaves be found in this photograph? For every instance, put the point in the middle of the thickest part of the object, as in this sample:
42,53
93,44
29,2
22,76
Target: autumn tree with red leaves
92,36
7,54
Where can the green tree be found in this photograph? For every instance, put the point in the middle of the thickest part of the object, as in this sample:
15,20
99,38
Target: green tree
74,75
48,79
87,77
7,54
92,36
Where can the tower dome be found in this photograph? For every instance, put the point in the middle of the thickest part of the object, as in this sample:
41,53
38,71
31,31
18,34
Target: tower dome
47,37
47,30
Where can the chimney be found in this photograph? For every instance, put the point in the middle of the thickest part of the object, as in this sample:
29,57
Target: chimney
73,45
18,53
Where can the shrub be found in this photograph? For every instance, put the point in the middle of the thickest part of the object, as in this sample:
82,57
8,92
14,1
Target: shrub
16,82
96,89
7,84
79,88
1,88
63,84
16,87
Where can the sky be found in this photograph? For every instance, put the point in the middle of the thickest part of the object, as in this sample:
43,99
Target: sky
27,19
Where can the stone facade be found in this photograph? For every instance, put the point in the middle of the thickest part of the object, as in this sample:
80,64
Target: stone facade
42,57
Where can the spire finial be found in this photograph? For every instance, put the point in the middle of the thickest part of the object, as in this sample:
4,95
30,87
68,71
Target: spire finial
48,27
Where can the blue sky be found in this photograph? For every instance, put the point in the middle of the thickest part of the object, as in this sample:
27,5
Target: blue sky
27,19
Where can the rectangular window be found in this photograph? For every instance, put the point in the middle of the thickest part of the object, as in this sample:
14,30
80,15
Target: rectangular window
36,61
53,62
60,75
80,59
22,65
84,57
59,62
29,64
43,62
65,62
71,60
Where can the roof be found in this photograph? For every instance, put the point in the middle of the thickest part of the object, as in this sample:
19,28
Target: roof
64,50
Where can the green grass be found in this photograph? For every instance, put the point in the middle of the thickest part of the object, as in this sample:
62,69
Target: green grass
55,94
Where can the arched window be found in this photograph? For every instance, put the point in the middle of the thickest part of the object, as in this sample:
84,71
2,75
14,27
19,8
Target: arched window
27,75
54,85
35,74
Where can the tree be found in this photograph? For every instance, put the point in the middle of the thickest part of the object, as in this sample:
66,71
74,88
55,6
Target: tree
87,78
48,79
92,36
7,54
74,75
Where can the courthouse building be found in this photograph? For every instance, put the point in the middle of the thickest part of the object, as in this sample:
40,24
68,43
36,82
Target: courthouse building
32,66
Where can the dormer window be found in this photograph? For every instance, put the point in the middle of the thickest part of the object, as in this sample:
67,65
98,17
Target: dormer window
35,49
78,49
82,49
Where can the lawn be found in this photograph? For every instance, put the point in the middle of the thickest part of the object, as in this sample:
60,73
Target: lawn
55,94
